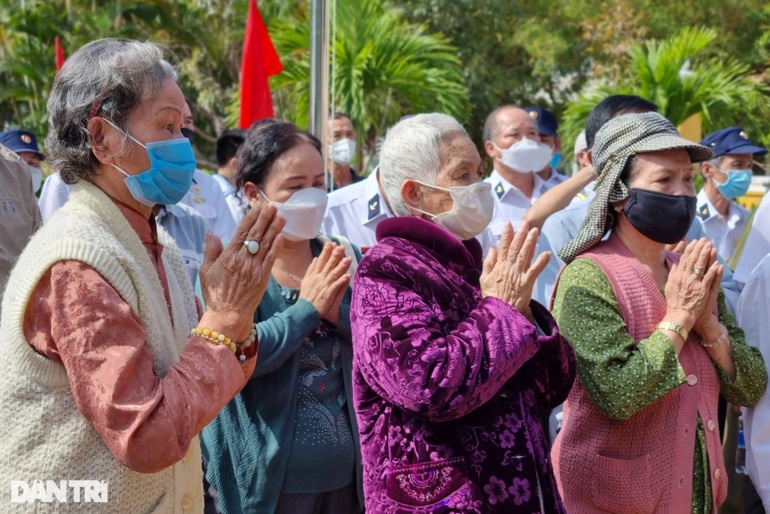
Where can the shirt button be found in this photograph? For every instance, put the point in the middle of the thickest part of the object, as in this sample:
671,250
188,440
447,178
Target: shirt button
717,473
692,380
710,425
187,502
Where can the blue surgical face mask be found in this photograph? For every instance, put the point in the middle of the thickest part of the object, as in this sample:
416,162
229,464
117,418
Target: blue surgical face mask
172,165
555,160
737,184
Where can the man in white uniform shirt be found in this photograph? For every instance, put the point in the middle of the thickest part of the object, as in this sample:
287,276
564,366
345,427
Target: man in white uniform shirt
548,129
511,139
728,176
228,143
205,195
356,210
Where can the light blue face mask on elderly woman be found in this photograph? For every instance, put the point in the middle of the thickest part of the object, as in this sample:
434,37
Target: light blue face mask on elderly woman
172,165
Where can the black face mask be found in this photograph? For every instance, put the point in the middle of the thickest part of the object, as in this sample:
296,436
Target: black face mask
189,134
660,217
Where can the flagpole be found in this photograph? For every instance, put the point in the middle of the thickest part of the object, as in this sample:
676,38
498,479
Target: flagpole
319,74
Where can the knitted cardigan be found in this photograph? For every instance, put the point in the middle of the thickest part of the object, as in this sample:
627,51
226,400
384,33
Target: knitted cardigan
51,440
643,464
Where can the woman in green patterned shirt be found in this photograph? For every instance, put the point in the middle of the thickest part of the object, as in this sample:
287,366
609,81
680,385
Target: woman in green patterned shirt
655,345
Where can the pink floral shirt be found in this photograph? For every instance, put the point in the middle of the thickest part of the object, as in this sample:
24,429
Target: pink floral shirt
77,318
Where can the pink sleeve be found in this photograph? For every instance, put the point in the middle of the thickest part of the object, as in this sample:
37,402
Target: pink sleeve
76,317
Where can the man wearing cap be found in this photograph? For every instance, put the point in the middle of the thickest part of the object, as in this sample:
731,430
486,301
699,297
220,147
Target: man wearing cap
547,128
654,342
512,141
24,143
728,176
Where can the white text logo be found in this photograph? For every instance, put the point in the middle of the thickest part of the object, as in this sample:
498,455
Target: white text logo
63,491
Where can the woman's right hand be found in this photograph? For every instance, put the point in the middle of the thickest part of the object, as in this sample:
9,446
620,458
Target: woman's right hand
233,280
507,272
688,293
326,281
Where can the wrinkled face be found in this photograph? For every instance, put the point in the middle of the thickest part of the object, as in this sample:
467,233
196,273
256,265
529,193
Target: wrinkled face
155,119
460,166
341,128
31,158
728,163
667,171
513,125
298,168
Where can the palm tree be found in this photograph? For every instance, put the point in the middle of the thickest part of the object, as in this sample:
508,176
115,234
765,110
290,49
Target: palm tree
671,74
384,68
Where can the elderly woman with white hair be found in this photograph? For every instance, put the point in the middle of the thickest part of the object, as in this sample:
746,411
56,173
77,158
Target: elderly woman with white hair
109,371
453,362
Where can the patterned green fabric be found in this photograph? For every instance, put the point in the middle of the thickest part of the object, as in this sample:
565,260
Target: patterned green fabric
617,141
622,378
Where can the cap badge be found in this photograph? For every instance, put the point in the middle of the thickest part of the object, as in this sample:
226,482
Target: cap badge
533,115
743,134
26,139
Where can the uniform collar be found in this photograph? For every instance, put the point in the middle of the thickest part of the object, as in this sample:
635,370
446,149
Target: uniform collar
375,207
707,211
503,189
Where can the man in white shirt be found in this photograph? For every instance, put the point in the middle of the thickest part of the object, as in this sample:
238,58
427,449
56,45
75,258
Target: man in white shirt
205,196
752,316
228,143
757,242
548,129
728,176
342,152
512,141
355,211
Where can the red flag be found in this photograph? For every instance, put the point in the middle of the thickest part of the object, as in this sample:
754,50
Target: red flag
59,51
260,61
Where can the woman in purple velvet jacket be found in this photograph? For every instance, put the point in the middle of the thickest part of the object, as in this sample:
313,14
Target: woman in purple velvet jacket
453,364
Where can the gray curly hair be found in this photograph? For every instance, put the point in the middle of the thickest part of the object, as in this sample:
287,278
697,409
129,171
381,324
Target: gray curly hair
108,78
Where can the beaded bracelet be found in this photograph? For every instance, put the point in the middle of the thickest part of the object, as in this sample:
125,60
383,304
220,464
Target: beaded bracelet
216,338
721,338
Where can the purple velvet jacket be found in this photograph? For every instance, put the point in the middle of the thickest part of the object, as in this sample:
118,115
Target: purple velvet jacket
449,387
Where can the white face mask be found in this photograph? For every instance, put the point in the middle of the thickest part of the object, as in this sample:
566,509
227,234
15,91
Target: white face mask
526,155
342,151
472,210
37,177
304,212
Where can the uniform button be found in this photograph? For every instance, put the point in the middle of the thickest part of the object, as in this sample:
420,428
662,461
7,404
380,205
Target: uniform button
187,502
710,425
692,380
717,473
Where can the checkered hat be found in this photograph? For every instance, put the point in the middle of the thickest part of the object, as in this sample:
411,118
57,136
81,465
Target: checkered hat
619,139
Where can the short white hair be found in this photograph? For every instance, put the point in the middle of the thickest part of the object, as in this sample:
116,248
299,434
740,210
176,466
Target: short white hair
411,150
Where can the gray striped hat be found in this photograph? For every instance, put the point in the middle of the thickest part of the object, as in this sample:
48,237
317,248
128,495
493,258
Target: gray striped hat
619,139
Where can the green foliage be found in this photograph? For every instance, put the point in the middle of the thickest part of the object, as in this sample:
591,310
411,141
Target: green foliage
383,68
675,76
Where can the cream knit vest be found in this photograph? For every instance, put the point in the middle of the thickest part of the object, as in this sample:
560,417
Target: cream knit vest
643,464
49,439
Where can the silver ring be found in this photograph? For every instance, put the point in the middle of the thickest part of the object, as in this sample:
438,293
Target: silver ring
698,272
252,246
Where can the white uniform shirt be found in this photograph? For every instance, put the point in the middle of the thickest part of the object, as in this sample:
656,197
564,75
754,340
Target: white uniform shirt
555,178
752,317
55,193
355,211
510,202
725,233
205,196
237,203
757,244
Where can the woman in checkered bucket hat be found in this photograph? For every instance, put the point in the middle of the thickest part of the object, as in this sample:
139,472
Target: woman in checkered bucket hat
655,344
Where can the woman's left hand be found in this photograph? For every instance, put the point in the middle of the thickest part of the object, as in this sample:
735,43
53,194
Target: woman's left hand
707,324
